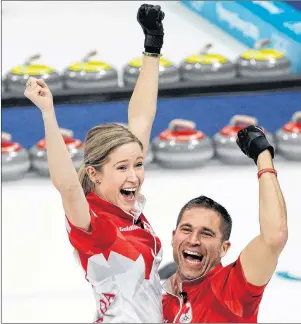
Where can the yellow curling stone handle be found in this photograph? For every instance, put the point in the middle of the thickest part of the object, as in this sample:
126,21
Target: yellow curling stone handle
206,59
262,54
86,65
32,69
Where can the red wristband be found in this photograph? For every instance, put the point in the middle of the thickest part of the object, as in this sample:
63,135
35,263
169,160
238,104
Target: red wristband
265,171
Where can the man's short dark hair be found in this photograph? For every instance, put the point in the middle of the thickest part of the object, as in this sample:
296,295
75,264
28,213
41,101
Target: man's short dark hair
208,203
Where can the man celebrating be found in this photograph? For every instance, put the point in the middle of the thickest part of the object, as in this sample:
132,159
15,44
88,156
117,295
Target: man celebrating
202,290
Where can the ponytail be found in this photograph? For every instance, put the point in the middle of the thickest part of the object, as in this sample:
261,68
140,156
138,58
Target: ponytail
84,180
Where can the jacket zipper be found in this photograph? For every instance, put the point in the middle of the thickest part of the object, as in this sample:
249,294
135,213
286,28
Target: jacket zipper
181,304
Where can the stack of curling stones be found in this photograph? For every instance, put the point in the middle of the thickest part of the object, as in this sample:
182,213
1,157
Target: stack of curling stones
90,74
225,141
182,146
17,78
168,72
288,138
206,67
14,158
262,62
149,156
38,153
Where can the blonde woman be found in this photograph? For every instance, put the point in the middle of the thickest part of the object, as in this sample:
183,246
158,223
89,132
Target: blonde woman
116,246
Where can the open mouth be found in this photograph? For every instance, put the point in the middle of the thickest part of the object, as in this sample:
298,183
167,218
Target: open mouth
192,257
128,193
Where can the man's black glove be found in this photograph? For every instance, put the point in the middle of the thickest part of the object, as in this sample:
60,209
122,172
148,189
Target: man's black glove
252,142
150,18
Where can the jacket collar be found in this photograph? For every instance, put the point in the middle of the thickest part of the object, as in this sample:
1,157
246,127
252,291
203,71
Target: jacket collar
106,206
187,285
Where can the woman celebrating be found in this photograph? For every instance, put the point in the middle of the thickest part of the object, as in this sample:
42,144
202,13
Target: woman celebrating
117,248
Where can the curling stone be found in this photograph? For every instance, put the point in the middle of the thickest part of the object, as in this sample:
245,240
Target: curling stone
226,147
206,67
15,159
182,146
38,153
90,74
288,138
168,72
16,79
263,62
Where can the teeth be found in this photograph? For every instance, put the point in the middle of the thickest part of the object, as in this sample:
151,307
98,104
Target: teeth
193,261
129,189
192,253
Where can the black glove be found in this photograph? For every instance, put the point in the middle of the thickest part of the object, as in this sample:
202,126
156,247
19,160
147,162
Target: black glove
150,18
252,142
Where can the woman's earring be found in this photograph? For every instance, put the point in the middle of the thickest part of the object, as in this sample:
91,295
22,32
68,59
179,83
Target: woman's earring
97,181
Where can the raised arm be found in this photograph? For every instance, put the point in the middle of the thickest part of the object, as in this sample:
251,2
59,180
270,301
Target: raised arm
62,172
143,103
259,258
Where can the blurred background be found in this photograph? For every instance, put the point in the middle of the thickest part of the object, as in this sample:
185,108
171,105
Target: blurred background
226,64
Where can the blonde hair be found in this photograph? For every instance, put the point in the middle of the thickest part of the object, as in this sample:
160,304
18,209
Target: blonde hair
99,143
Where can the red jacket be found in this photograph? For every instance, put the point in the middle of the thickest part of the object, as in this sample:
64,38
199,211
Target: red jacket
223,295
120,258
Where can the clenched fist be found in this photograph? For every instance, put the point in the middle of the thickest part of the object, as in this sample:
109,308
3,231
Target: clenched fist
150,18
38,92
252,141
